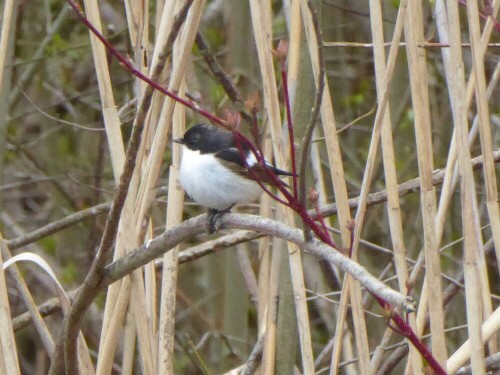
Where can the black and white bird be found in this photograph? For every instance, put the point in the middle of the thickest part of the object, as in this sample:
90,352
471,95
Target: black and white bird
216,174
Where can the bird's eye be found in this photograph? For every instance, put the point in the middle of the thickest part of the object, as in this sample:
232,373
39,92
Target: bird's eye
195,139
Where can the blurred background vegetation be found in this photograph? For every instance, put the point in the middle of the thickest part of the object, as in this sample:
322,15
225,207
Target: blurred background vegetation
55,161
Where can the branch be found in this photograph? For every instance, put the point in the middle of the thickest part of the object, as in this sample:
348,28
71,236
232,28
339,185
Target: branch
191,254
221,76
58,225
492,363
195,226
254,359
410,186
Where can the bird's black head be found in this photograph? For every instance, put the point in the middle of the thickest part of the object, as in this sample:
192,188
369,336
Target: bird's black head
206,139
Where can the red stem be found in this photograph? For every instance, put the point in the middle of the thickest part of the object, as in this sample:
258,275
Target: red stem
324,236
128,66
293,201
321,219
291,136
405,329
485,16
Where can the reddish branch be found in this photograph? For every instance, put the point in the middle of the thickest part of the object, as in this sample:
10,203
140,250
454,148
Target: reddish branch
488,12
404,329
132,70
282,52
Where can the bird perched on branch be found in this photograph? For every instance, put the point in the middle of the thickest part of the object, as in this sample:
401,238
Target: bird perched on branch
218,173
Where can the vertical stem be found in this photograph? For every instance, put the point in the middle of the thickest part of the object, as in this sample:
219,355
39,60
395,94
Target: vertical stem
10,13
423,133
291,137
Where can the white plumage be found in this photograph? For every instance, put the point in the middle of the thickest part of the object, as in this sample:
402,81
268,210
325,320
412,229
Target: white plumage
211,184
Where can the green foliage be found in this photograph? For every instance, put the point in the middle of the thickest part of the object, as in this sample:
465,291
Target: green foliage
64,147
217,94
279,26
49,244
57,45
70,273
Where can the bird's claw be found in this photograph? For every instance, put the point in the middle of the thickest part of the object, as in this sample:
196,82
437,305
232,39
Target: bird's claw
213,217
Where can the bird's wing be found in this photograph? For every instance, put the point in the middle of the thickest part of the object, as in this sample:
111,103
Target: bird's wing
234,160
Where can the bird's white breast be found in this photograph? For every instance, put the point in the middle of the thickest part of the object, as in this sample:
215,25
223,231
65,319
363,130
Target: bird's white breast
211,184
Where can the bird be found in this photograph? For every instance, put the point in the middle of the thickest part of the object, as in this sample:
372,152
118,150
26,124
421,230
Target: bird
217,174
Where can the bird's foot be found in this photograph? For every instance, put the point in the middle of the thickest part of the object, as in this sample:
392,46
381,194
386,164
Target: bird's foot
214,216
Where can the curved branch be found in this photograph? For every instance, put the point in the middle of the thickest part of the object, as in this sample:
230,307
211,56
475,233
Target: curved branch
192,227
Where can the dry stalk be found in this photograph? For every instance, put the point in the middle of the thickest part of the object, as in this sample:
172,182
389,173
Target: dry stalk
375,140
484,122
166,331
490,327
470,219
451,172
269,267
9,363
261,21
388,156
420,97
334,159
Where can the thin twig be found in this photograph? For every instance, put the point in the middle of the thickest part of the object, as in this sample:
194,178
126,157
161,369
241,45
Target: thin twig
57,226
38,165
306,141
191,352
254,358
357,119
410,186
132,70
59,120
402,44
221,76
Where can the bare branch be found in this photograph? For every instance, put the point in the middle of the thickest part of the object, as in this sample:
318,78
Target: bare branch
492,363
58,225
197,225
221,76
254,358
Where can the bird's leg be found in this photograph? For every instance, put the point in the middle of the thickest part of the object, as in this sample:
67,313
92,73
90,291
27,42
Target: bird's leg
213,215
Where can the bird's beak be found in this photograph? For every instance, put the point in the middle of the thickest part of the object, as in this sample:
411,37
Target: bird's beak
178,140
